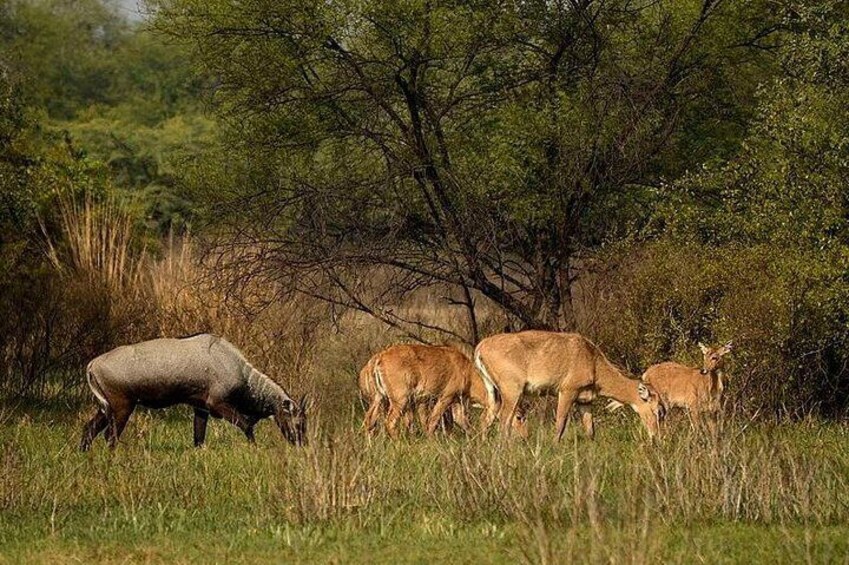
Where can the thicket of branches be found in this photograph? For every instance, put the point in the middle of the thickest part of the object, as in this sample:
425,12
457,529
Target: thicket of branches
485,145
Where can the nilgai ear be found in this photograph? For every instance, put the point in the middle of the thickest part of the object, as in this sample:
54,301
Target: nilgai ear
643,391
703,347
303,403
289,406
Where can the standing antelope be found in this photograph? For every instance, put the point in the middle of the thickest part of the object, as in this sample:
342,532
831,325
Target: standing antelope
203,371
377,404
563,363
412,375
699,391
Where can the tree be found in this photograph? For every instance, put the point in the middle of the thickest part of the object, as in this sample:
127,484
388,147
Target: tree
63,48
484,145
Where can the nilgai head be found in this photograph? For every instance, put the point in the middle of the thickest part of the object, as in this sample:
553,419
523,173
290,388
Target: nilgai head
291,418
650,408
713,356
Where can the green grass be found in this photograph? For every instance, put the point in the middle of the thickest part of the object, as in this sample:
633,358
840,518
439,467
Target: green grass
777,494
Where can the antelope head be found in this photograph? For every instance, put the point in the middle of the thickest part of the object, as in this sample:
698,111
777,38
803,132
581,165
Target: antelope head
713,357
650,408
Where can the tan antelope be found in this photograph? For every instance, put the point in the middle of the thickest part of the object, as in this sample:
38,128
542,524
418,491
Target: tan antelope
698,390
411,375
566,364
377,403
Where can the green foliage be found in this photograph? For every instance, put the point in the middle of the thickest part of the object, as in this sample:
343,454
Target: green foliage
119,94
694,152
787,184
63,48
92,109
148,160
785,312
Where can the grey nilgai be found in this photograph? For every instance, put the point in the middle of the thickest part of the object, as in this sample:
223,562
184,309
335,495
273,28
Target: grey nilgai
204,371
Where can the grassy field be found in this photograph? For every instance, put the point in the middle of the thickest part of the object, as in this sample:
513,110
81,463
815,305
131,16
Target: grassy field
777,494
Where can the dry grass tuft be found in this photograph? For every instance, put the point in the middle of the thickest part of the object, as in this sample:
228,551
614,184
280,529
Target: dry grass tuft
98,243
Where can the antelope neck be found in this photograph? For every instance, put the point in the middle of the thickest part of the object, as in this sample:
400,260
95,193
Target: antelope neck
611,383
266,392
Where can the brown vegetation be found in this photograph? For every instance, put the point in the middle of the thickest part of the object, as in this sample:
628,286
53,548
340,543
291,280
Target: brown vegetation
109,287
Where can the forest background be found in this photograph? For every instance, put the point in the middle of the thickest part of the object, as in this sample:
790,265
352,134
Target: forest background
648,175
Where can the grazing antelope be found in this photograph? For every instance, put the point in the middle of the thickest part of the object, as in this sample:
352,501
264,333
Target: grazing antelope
203,371
377,404
412,375
699,391
563,363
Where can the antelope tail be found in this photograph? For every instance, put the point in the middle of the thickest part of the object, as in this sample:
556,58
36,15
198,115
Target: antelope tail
491,389
378,379
95,388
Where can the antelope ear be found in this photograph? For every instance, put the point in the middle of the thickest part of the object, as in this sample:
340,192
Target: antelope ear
703,347
289,406
643,391
303,403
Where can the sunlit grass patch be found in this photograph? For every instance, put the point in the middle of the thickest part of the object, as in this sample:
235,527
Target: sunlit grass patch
347,497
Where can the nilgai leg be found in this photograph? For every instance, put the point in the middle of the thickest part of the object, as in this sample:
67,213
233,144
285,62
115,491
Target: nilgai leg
244,423
373,414
458,413
587,420
96,425
201,419
397,409
121,412
439,409
510,399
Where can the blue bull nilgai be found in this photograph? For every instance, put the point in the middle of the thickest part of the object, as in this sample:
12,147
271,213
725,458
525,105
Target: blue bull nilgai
204,371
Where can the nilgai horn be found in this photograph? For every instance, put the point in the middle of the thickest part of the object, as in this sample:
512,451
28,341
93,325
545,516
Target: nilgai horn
565,364
204,371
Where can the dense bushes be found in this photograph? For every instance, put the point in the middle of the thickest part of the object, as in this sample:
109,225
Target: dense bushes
755,248
87,117
786,313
